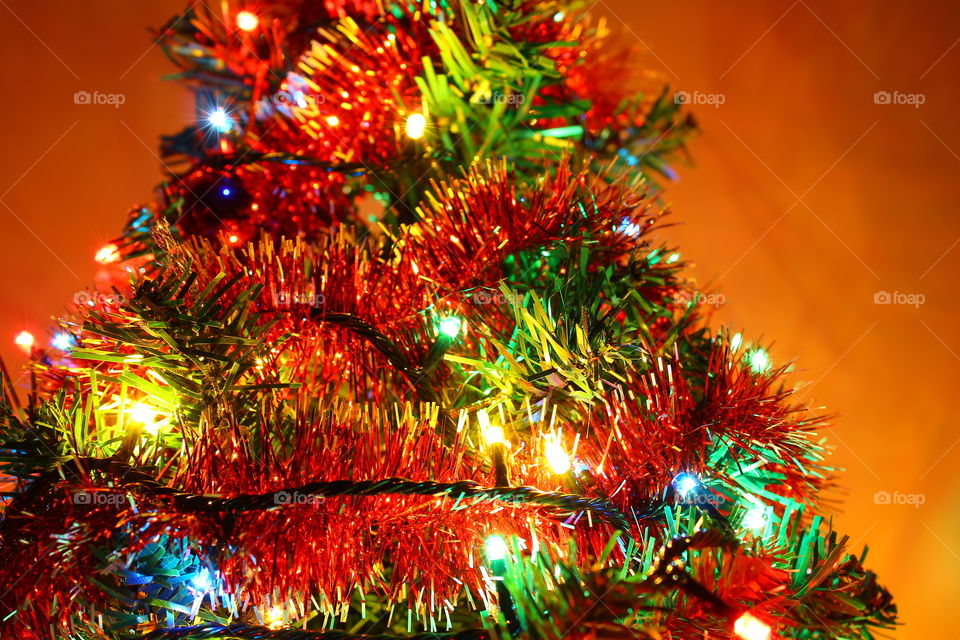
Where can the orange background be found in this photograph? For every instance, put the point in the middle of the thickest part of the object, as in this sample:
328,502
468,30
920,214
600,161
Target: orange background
807,199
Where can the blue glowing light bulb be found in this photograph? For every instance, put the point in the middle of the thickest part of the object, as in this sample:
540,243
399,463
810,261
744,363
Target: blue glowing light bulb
630,228
226,191
201,581
219,120
62,341
684,483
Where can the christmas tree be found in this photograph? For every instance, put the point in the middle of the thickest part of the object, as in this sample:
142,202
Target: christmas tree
399,351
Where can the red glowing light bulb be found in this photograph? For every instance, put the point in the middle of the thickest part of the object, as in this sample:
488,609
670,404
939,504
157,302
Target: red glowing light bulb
749,627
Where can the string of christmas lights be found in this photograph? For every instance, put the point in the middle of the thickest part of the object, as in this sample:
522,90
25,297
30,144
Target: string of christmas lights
399,352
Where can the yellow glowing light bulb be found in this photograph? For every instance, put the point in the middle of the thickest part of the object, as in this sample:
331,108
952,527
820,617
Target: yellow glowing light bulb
144,414
416,125
107,253
557,458
24,340
749,627
247,20
274,618
333,121
492,434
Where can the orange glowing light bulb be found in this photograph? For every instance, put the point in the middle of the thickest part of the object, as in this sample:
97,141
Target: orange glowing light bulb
247,20
24,340
107,253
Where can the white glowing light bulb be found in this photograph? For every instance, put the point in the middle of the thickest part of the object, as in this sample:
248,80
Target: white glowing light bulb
416,125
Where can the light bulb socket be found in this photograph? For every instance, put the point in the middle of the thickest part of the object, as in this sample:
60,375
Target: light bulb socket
571,482
435,355
507,608
498,457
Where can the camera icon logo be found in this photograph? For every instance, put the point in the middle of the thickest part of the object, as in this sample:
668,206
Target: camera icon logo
881,497
882,97
681,97
282,497
82,497
882,297
82,97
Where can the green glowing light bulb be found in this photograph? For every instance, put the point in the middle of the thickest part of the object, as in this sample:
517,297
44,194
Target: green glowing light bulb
736,341
759,361
450,326
755,518
496,548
